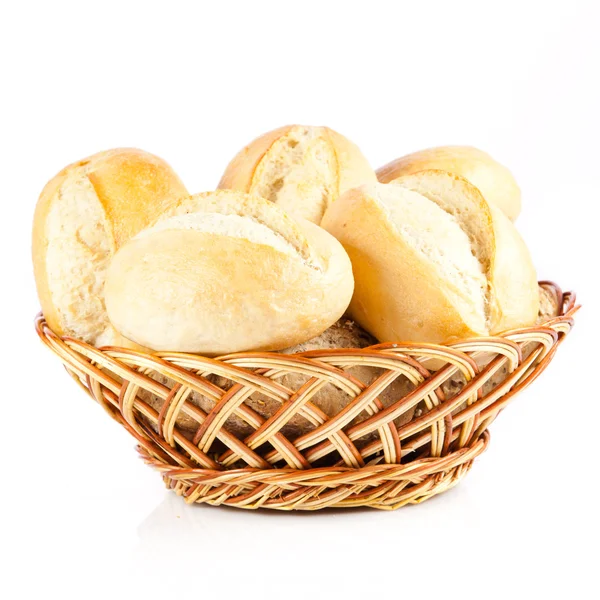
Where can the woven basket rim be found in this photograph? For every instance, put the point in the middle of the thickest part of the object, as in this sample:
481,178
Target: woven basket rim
566,301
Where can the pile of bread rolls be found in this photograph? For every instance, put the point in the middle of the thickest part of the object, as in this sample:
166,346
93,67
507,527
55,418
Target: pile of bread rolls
300,233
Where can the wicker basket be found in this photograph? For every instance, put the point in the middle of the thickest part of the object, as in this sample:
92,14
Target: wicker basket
358,457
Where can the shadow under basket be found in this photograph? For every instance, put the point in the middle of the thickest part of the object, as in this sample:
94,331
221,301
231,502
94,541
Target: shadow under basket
233,431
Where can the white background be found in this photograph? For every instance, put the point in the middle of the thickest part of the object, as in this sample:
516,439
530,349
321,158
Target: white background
82,517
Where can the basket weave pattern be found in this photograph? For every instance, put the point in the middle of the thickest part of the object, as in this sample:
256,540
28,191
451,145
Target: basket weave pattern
357,457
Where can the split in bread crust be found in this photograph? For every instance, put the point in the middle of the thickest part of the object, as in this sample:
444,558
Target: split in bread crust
83,215
302,164
495,182
302,169
511,293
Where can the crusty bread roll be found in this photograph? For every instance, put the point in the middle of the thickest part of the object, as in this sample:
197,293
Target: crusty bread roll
435,268
416,277
512,296
493,180
83,216
303,169
236,274
330,399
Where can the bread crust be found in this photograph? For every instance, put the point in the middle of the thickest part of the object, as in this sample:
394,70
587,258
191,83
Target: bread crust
400,293
127,189
240,172
512,296
350,169
353,167
495,182
237,274
513,279
398,296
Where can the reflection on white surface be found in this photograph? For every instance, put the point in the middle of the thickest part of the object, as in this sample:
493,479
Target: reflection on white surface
202,533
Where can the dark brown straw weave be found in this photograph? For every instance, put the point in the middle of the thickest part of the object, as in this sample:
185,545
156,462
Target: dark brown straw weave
187,411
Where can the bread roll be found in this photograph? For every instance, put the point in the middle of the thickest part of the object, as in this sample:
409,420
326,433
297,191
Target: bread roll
416,278
237,274
493,180
549,305
330,399
84,214
512,295
431,271
303,169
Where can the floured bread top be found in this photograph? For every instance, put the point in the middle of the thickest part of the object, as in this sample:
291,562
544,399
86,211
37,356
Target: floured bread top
83,214
228,225
438,238
299,172
495,182
457,197
78,252
255,211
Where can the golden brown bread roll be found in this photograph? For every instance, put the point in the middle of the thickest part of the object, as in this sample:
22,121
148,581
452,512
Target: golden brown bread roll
512,297
303,169
494,181
84,214
237,274
423,268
